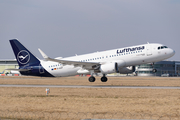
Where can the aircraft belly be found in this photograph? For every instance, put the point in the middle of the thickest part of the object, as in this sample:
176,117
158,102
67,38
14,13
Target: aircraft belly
65,71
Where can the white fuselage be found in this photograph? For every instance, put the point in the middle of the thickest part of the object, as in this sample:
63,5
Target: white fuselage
128,56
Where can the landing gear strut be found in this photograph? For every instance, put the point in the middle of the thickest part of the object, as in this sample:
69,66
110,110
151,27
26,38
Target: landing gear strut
104,78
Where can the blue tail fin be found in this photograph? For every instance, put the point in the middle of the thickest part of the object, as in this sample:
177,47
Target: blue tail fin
24,57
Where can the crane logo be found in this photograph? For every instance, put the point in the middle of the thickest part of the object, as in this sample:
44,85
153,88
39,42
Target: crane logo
23,57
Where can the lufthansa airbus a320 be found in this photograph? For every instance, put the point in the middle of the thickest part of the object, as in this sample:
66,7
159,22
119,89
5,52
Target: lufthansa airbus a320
121,60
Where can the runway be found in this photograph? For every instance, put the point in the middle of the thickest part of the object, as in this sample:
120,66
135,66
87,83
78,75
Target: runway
95,86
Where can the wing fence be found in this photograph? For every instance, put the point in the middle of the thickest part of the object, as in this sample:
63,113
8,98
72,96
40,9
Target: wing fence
21,115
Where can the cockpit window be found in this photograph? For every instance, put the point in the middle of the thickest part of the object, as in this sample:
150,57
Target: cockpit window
162,47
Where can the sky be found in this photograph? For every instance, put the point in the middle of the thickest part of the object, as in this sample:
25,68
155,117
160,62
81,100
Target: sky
63,28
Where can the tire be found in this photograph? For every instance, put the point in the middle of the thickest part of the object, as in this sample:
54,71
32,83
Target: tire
92,79
104,79
154,70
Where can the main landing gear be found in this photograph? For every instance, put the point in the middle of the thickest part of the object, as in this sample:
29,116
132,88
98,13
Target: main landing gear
92,79
103,78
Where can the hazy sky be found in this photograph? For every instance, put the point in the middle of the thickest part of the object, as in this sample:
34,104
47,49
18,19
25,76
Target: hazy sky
63,28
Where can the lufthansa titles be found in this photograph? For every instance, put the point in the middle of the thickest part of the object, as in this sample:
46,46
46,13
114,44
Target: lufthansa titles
130,49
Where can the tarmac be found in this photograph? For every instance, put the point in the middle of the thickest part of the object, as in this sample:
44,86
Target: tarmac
95,86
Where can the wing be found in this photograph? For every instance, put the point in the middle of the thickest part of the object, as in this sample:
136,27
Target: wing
86,65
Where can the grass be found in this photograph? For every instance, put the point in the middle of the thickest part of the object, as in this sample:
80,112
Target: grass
93,100
112,81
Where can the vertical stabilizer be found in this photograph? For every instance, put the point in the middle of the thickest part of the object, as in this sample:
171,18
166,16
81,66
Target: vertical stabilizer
24,57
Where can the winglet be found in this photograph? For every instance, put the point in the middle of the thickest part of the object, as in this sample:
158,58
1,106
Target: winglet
43,54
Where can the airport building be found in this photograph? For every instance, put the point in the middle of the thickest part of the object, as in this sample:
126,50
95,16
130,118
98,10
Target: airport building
7,64
164,68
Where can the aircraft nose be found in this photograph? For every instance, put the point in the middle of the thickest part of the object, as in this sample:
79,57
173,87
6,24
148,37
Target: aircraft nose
172,52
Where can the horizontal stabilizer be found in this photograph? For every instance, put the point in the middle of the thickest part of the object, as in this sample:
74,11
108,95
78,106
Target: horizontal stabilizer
18,69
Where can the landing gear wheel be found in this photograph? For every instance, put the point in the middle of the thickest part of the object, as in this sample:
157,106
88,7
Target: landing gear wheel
104,79
92,79
154,70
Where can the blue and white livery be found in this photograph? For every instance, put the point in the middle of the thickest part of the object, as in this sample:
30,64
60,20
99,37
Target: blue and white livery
121,60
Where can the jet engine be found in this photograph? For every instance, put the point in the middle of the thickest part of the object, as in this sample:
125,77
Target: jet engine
127,70
112,67
109,68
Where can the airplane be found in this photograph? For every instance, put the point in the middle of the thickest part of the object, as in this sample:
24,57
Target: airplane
121,60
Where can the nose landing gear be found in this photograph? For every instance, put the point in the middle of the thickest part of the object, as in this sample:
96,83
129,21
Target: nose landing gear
154,70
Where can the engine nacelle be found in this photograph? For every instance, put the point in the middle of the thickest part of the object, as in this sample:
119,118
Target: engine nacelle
127,70
109,68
